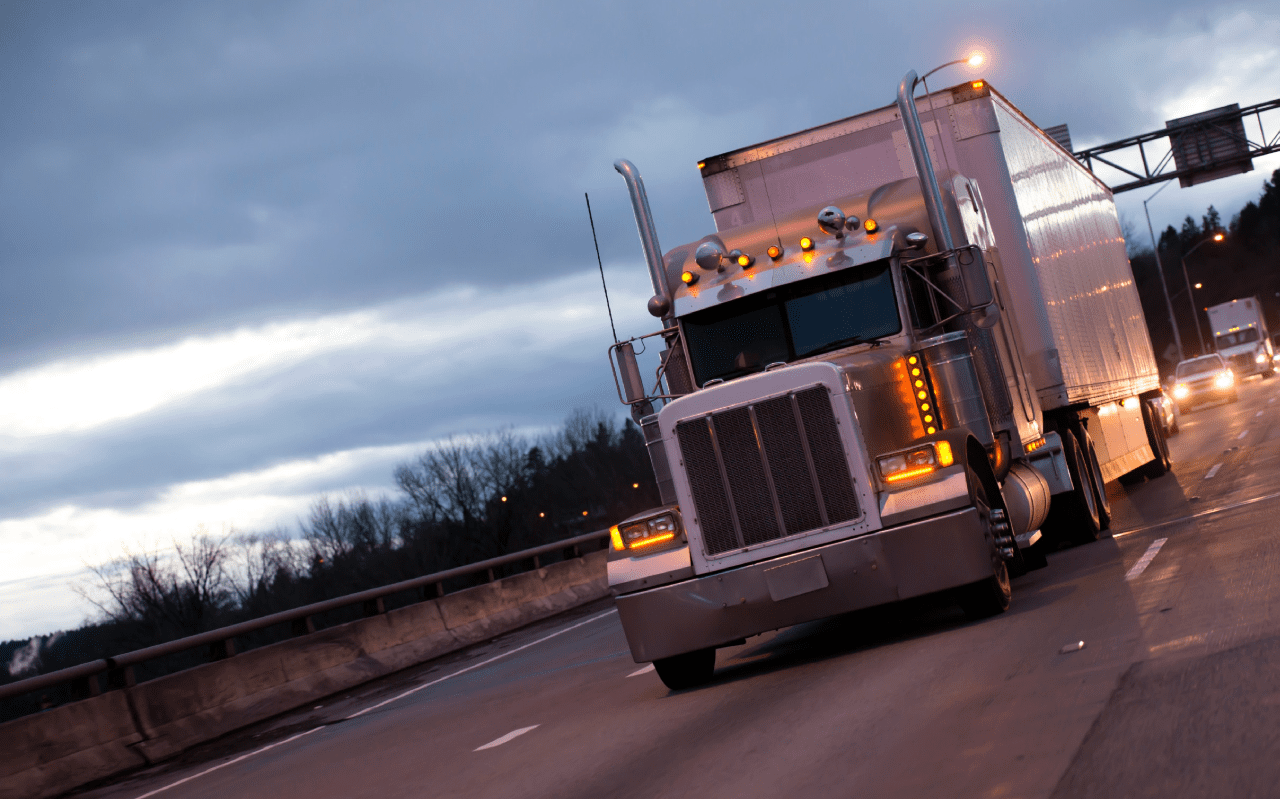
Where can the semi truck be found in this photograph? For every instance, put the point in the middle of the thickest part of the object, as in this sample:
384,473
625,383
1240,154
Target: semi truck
1240,335
909,356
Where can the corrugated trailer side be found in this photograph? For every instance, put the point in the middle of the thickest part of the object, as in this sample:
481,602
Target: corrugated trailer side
1064,256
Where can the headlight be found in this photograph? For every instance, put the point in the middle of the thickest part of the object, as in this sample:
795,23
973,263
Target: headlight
915,462
1180,391
1261,358
645,534
1224,379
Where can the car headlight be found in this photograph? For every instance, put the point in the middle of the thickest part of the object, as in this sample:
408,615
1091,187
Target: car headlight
915,462
1180,391
1224,379
645,534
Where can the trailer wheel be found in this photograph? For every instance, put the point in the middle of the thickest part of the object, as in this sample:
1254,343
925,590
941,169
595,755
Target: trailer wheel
689,670
989,596
1159,445
1073,515
1096,481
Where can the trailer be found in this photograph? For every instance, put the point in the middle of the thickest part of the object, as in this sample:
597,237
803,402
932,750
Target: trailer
911,348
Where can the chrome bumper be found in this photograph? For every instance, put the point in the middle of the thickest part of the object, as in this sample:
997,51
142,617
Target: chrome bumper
905,561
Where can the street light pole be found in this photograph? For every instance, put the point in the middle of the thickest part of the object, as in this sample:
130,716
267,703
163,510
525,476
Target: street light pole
1164,287
1195,317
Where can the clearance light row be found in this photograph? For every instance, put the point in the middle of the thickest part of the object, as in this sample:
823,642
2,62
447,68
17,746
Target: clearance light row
923,393
775,252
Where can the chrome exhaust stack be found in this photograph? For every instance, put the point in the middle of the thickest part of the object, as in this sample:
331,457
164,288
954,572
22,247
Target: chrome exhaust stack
924,164
660,303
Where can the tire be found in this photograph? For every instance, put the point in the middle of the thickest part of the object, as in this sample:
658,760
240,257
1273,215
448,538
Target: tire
1073,516
1159,446
1095,474
989,596
689,670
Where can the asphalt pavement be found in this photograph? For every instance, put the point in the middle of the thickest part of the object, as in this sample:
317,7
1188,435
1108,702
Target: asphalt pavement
1145,664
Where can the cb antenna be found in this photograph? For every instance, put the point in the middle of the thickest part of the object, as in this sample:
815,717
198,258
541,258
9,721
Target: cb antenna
602,283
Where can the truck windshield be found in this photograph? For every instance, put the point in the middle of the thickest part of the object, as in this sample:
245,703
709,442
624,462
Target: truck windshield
810,317
1238,337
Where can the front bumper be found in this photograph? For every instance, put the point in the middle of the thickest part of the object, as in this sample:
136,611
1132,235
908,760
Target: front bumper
905,561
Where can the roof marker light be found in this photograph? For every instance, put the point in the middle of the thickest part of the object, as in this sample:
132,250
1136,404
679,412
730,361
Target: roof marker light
806,243
775,252
871,226
688,277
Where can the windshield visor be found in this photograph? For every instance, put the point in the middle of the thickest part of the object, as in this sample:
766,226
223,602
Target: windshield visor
794,321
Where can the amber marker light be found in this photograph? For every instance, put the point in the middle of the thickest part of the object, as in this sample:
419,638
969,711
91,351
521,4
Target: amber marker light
978,84
943,449
909,473
651,540
615,536
871,226
806,243
688,278
702,165
775,252
745,260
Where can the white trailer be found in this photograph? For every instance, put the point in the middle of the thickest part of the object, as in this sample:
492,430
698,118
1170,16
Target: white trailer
909,330
1240,335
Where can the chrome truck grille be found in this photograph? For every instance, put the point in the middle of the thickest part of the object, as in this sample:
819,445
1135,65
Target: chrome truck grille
766,471
1243,363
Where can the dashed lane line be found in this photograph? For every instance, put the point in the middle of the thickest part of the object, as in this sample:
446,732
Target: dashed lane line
1212,471
1145,561
1256,415
1243,433
511,736
638,672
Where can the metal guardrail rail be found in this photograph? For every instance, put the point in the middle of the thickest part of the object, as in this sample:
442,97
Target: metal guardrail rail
224,635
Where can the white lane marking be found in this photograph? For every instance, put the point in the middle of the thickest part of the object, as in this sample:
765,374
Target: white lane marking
380,704
645,670
1212,471
229,762
1242,435
511,736
475,666
1273,399
1256,415
1145,560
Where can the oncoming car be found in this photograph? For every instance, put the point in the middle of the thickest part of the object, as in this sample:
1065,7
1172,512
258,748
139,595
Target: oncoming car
1204,379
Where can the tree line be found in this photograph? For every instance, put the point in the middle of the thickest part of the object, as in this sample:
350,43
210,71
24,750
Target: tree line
1245,263
467,499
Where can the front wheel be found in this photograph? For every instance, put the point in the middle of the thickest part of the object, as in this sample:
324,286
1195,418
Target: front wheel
989,596
689,670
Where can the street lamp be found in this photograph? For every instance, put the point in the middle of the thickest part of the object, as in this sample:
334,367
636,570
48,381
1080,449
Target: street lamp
920,150
1168,303
1194,317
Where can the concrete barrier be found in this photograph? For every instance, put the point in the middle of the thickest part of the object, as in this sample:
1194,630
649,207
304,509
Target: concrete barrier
52,752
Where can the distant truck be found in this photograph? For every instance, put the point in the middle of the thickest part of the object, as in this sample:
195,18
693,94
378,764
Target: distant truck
1240,335
877,375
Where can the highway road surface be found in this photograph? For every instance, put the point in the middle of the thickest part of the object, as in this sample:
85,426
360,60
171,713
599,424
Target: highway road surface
1146,664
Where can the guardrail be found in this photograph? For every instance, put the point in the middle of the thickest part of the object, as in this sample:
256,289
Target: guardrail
223,637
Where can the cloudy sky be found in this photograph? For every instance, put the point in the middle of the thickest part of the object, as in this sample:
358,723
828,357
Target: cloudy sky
251,253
